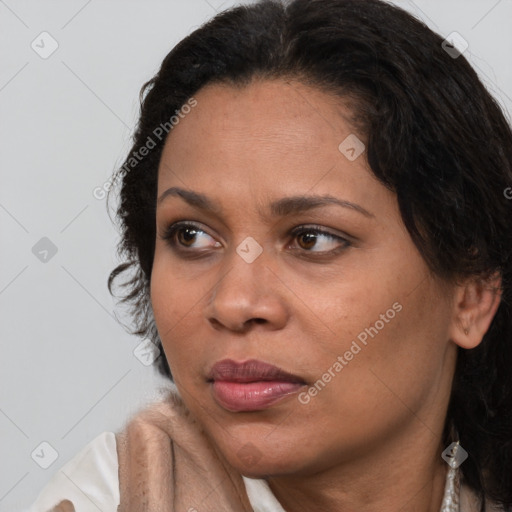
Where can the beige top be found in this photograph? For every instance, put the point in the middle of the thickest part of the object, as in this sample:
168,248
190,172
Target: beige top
90,481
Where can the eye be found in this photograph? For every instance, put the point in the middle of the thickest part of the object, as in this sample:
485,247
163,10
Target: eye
321,241
183,235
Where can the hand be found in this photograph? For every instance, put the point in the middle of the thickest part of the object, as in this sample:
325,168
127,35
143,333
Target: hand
63,506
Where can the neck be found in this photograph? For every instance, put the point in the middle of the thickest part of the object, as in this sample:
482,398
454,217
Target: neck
406,473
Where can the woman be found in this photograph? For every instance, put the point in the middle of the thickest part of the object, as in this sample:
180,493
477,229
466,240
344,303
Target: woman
318,234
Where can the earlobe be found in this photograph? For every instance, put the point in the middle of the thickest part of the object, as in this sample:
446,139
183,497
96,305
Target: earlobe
475,304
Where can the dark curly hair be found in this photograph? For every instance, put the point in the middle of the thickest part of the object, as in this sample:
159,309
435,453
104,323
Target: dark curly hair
435,137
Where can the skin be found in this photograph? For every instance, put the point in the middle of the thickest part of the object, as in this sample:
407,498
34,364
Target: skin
371,438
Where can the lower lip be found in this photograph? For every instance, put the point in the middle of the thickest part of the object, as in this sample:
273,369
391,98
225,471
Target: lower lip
251,396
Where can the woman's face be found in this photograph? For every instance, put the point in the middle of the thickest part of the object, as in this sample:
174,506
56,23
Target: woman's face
351,309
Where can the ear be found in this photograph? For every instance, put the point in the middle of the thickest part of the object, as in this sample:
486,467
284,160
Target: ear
476,303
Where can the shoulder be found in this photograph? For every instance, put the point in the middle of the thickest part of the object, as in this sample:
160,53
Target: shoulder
89,480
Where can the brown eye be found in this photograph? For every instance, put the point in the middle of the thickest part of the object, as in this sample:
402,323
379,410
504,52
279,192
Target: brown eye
308,240
184,235
316,240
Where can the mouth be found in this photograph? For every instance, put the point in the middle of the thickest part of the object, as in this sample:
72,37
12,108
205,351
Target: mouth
250,386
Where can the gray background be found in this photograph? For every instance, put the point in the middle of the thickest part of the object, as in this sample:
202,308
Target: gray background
68,369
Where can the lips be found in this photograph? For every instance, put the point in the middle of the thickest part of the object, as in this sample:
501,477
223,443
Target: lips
250,371
250,386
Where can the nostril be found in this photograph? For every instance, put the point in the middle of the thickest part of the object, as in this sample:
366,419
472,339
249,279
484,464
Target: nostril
257,320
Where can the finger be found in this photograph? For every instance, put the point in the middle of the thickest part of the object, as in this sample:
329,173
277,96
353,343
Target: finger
63,506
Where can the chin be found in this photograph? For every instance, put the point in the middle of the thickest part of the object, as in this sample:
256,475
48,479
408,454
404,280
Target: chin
257,462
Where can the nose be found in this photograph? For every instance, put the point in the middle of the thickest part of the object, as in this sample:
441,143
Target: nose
247,294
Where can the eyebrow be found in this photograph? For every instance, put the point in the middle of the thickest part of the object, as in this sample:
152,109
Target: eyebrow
280,208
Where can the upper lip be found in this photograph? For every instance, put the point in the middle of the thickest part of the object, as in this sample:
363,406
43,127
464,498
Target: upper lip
249,371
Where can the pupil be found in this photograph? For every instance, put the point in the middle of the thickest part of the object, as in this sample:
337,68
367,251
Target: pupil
188,234
309,238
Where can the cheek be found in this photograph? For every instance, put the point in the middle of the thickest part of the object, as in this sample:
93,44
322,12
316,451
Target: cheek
390,368
385,346
412,363
163,298
173,307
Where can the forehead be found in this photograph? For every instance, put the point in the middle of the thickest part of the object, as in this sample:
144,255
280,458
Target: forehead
286,125
267,102
248,148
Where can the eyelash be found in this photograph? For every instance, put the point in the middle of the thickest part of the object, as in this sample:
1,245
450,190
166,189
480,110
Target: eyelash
171,231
